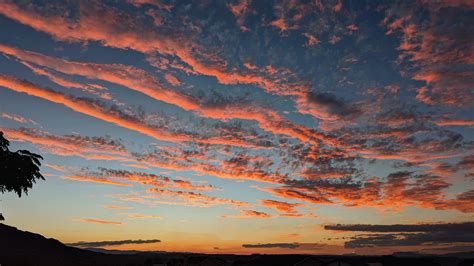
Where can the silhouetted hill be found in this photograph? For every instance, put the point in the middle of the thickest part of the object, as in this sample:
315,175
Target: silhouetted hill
24,248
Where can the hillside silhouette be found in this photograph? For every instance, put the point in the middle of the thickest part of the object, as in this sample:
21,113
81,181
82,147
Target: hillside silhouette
24,248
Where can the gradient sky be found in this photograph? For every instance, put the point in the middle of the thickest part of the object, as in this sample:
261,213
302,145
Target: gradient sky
243,126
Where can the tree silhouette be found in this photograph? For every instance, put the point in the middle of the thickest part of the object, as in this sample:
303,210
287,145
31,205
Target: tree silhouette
18,170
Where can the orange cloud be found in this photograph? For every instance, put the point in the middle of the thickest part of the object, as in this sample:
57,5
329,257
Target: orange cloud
184,184
294,193
194,198
268,120
94,179
299,215
92,27
455,122
98,221
227,172
107,149
240,10
251,213
435,52
401,189
463,202
92,89
59,168
312,40
280,205
115,207
294,235
157,181
93,148
280,24
95,110
248,214
71,145
82,106
338,6
141,216
139,80
172,80
136,165
130,77
156,3
17,118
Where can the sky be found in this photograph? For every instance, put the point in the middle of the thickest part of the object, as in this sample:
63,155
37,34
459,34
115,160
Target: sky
243,126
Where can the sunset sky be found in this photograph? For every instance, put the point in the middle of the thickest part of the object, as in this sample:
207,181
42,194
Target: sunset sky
248,126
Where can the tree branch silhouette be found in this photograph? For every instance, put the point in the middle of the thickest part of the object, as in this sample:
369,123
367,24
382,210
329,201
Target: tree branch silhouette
18,170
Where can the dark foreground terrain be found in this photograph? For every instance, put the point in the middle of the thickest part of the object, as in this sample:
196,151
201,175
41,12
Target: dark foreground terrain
25,248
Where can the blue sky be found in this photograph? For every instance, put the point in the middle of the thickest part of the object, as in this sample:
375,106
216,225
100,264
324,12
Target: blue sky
212,125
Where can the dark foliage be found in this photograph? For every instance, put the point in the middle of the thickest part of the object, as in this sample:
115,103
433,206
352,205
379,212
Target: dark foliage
18,170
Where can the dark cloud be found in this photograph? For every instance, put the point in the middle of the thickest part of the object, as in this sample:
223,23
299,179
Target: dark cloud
295,245
272,245
447,227
332,104
467,164
112,243
463,202
407,234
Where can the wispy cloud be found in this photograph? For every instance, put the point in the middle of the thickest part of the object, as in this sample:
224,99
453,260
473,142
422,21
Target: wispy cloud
90,148
140,216
17,118
281,206
295,245
99,221
115,207
249,214
98,110
94,179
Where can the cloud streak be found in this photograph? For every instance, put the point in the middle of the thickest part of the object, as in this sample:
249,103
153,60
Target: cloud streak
83,244
99,221
272,245
406,234
113,116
